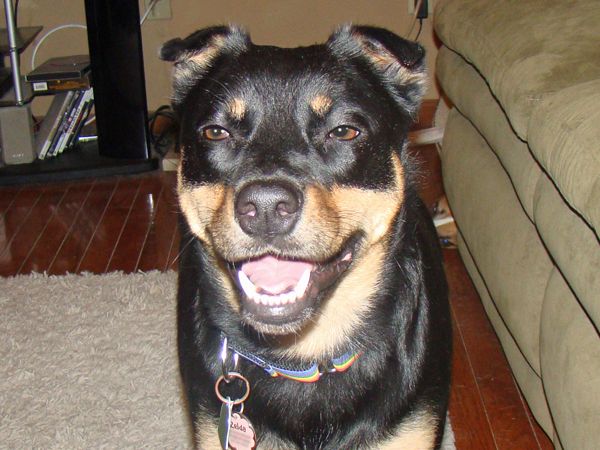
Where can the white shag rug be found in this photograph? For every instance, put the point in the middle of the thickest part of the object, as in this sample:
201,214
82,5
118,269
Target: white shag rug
90,361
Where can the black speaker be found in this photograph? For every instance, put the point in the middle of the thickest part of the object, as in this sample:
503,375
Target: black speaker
115,45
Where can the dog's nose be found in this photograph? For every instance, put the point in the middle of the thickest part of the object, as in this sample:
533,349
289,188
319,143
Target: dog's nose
268,209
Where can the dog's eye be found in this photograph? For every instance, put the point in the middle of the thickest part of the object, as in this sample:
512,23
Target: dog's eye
344,133
215,133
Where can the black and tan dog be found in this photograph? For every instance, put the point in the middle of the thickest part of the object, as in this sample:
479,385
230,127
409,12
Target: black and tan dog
305,249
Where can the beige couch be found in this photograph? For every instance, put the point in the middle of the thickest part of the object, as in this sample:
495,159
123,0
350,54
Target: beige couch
521,167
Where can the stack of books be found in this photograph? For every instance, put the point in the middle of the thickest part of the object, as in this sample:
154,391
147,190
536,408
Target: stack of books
68,79
65,118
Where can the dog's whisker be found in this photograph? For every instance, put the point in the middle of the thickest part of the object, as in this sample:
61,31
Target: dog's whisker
181,250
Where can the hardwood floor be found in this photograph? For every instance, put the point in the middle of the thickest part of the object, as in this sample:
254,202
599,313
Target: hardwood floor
129,224
126,223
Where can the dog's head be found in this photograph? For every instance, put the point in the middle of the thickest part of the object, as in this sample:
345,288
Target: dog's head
292,167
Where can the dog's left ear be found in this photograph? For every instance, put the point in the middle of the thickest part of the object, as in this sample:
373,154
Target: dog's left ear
400,63
194,56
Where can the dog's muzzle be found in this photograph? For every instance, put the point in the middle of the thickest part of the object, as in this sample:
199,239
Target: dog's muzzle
280,291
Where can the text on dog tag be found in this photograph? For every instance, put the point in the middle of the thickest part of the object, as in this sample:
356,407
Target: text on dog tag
241,433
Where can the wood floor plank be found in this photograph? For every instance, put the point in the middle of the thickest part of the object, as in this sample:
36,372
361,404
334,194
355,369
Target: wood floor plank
106,235
135,229
56,230
27,233
466,403
75,244
16,214
162,230
7,196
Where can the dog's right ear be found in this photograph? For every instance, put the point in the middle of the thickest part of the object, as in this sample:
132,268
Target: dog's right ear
399,63
195,55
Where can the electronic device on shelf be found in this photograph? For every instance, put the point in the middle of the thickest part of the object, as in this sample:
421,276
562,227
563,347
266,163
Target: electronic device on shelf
117,75
60,74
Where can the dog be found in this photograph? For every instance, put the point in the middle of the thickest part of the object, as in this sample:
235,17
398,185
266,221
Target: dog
312,302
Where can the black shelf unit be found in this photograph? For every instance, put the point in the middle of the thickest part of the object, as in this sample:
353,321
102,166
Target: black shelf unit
80,161
123,145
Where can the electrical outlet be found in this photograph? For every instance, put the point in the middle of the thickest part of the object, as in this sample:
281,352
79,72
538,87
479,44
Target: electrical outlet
161,9
411,7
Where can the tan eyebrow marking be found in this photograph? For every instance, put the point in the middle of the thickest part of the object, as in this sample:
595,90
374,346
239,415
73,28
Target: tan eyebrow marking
321,104
237,108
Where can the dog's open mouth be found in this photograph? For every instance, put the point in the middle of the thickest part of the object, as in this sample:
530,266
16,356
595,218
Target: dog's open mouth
279,294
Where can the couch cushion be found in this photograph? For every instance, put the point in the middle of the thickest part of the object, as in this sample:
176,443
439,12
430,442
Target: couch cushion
565,138
570,357
502,240
573,245
524,49
471,95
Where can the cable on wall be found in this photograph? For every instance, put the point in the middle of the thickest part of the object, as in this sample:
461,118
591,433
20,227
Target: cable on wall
77,25
414,22
47,35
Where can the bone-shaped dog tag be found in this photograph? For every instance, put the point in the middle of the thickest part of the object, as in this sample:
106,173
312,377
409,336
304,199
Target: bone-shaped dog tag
241,434
235,430
225,424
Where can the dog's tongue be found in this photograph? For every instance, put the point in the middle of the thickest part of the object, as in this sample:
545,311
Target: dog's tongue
273,275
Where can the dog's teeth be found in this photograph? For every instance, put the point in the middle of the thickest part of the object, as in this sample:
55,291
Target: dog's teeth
273,300
300,288
247,285
285,298
292,297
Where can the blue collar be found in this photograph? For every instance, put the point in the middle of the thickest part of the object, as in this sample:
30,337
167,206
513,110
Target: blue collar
309,374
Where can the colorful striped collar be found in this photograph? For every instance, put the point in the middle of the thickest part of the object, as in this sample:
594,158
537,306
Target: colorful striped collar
304,375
